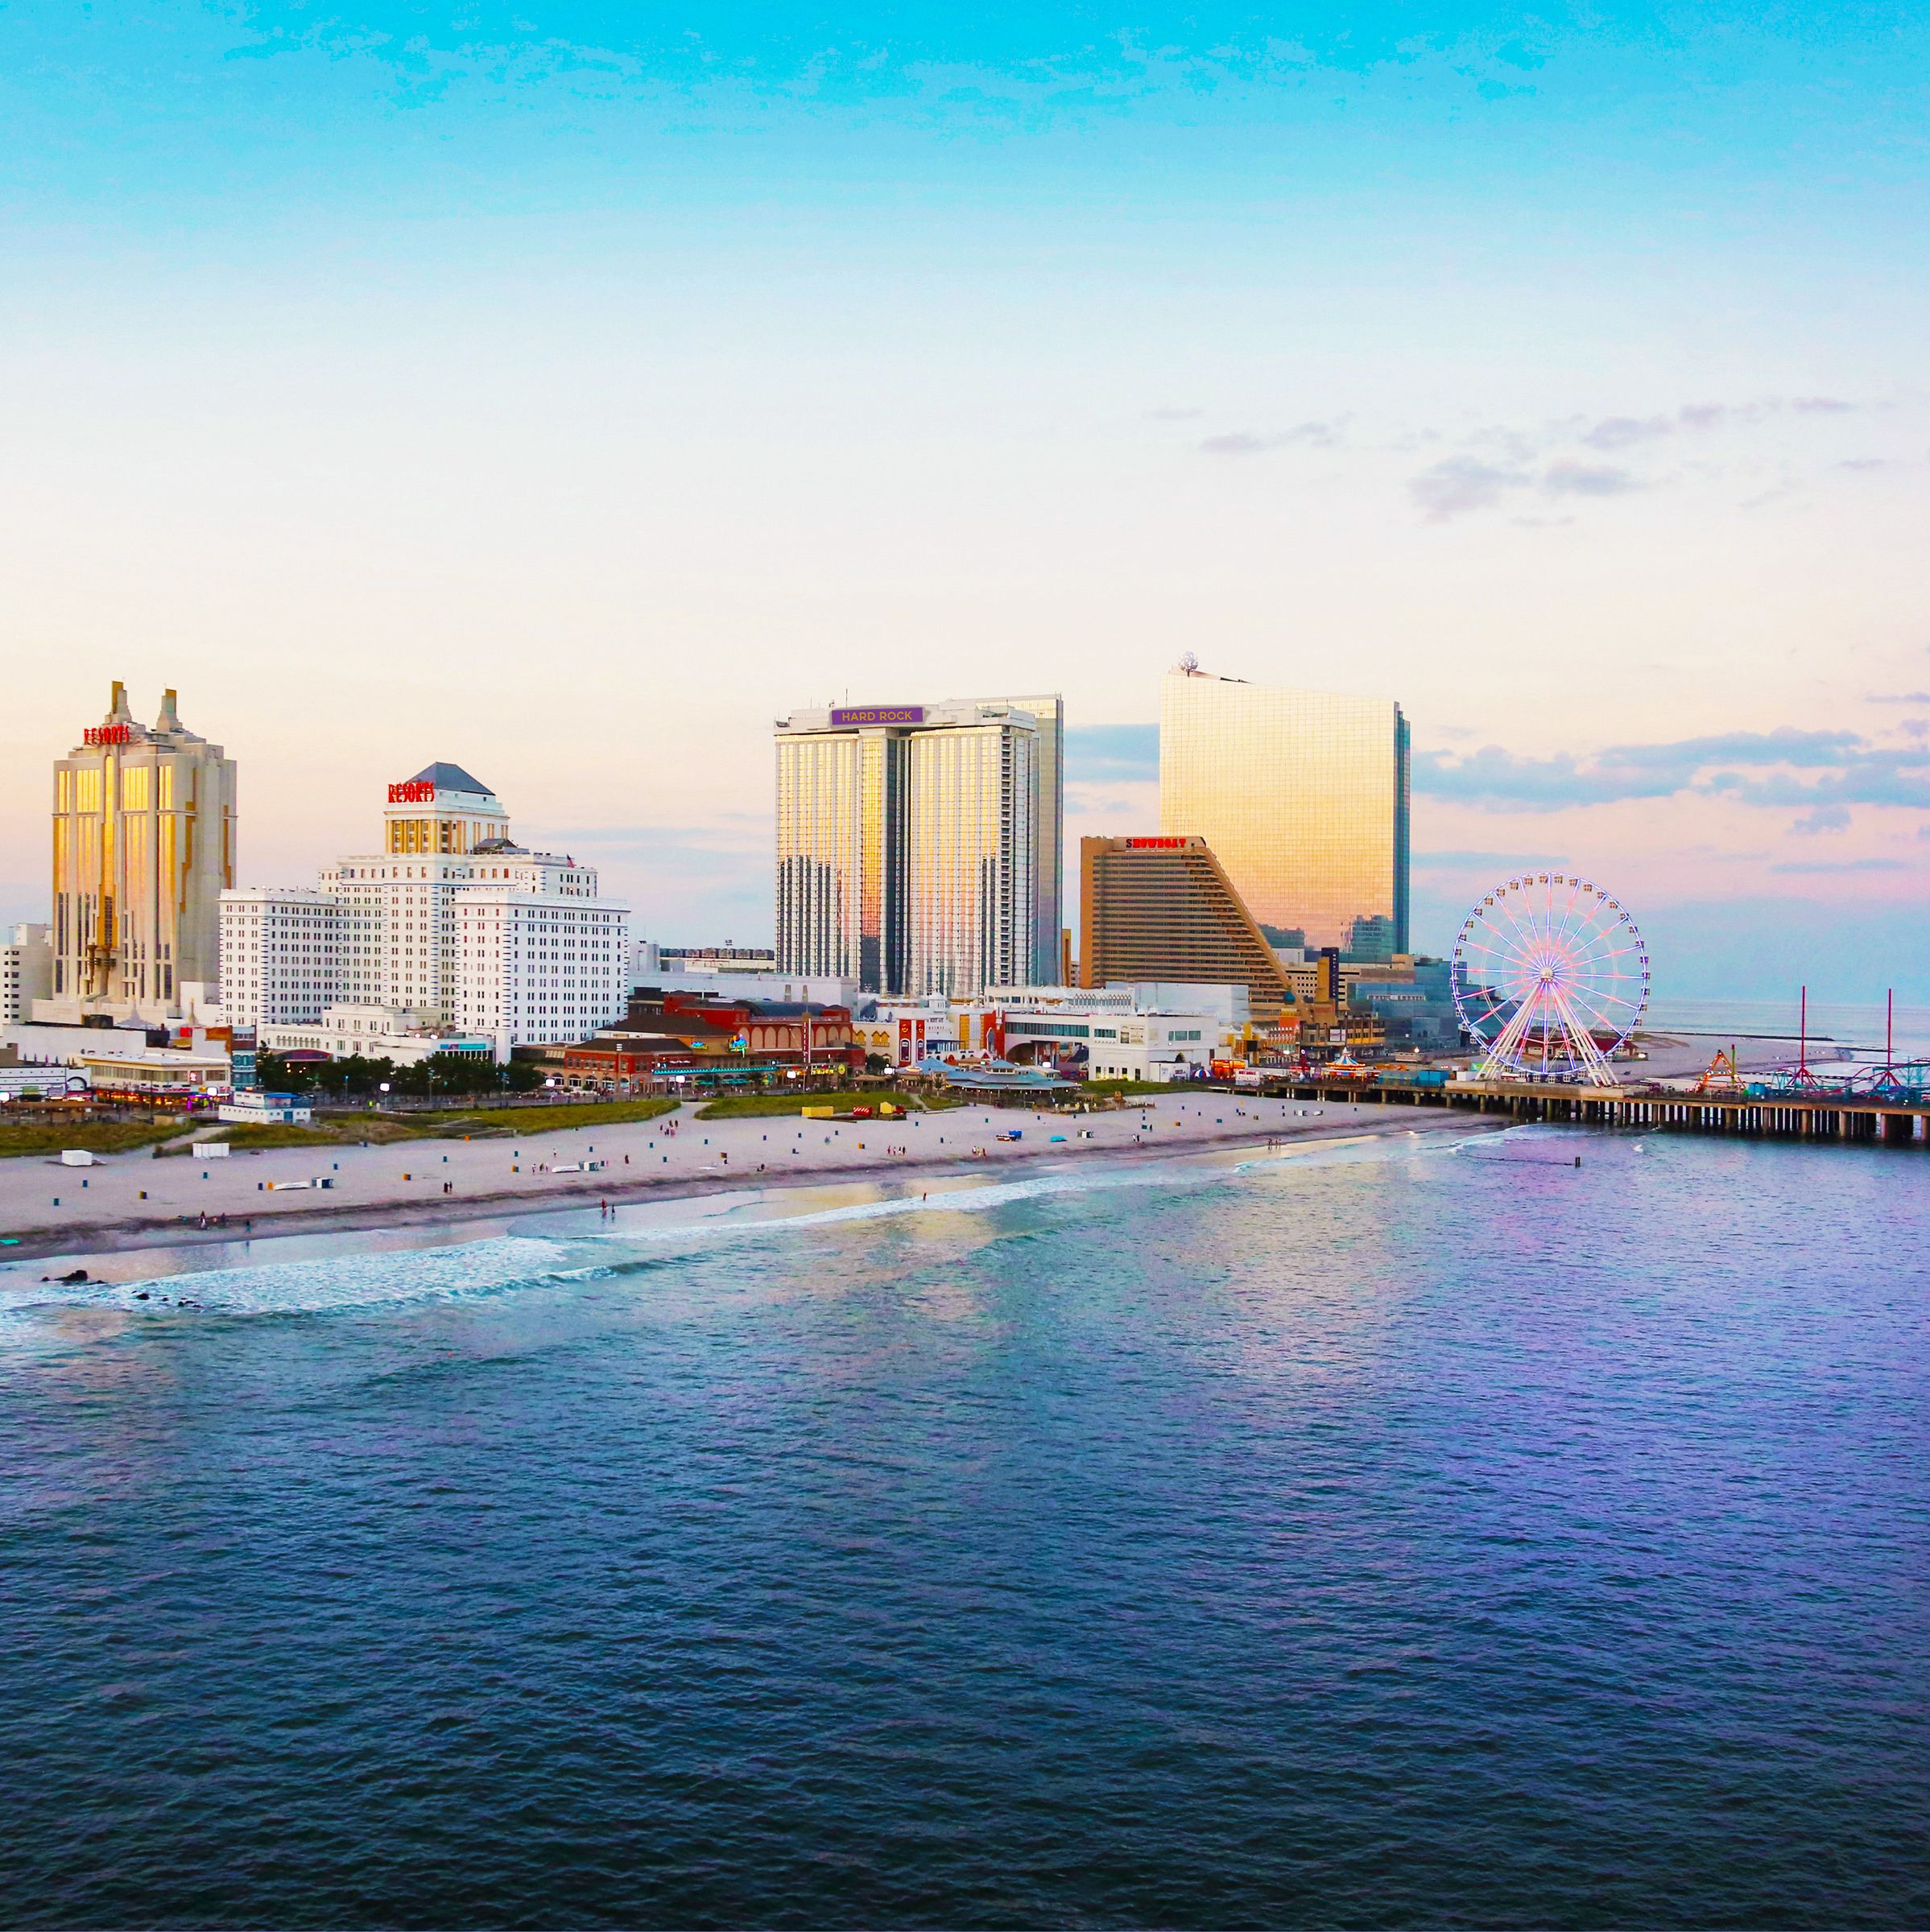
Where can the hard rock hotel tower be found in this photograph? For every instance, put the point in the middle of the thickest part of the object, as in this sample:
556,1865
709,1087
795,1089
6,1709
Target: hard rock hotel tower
917,844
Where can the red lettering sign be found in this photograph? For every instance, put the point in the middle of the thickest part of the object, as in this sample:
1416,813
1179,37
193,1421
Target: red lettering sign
1154,845
418,792
107,734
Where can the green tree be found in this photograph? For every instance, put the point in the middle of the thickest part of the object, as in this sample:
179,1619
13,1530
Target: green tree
275,1073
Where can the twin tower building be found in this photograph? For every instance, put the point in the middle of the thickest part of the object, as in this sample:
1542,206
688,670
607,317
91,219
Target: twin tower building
918,846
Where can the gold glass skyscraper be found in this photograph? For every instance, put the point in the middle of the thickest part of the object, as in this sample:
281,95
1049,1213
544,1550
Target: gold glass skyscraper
143,826
1303,796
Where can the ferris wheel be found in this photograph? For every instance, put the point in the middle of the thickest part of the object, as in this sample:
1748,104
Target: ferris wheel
1550,977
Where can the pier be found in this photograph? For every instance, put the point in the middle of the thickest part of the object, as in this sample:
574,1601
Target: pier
1792,1116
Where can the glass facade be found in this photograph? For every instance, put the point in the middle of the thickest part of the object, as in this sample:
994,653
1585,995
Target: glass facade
821,839
143,845
1303,796
971,826
907,852
1048,860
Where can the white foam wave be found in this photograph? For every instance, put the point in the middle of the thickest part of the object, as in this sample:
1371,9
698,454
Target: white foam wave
378,1278
338,1284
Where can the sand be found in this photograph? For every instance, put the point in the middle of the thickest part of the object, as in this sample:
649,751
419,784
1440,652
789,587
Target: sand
52,1210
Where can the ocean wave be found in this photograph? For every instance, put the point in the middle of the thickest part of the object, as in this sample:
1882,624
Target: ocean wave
351,1282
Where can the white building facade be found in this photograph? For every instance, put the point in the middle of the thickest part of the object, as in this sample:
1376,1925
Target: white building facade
443,831
1146,1030
281,954
404,943
533,968
376,1033
27,971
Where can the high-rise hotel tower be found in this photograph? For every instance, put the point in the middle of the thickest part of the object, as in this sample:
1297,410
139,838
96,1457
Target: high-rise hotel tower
912,840
143,826
1302,797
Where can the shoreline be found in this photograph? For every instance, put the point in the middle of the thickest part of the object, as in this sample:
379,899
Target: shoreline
125,1233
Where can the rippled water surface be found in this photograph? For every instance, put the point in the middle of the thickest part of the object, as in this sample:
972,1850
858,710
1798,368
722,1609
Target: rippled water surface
1393,1535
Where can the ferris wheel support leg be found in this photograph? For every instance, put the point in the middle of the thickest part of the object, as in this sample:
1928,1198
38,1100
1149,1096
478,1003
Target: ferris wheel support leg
1600,1072
1501,1056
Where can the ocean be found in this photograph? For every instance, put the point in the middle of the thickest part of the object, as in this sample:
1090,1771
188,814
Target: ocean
1866,1026
1412,1533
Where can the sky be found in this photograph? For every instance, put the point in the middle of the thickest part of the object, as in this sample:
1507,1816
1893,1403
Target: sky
567,390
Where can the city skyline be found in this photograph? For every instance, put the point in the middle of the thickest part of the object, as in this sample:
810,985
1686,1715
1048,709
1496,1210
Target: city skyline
1111,787
406,389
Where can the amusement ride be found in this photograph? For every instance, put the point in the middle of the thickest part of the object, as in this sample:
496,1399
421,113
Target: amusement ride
1550,977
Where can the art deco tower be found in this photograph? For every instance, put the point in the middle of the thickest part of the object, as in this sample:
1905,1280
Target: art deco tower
144,832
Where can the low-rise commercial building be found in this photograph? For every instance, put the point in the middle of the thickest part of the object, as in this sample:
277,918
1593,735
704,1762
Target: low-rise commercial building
1146,1029
1120,1046
651,957
1413,999
671,1034
151,1074
34,1080
822,989
903,1032
406,1036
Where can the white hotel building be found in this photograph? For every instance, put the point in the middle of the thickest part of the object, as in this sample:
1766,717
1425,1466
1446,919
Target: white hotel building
27,971
281,954
452,923
530,967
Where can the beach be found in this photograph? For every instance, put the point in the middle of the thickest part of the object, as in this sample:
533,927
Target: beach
135,1200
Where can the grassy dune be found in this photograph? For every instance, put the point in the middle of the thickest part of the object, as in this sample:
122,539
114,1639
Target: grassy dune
772,1106
497,1123
102,1137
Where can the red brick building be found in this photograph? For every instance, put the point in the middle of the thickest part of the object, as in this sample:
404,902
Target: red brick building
687,1032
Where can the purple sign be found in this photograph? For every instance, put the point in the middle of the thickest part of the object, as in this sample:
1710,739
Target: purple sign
877,714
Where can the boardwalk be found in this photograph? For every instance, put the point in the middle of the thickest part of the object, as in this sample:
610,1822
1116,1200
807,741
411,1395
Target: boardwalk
1817,1116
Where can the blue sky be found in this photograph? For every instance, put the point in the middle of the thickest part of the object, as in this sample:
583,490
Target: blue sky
568,389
